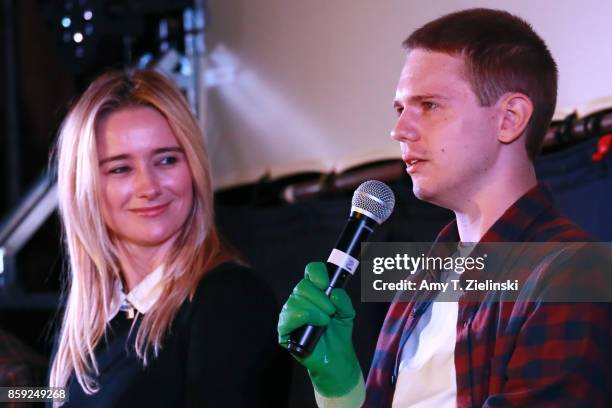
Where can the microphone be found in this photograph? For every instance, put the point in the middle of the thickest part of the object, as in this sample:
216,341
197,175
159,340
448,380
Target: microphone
372,204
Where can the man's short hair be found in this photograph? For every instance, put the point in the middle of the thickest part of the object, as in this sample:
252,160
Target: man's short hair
502,53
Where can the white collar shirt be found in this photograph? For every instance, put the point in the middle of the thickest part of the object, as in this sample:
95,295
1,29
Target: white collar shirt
141,298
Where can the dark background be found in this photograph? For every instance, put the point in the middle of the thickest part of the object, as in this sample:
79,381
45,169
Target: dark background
277,239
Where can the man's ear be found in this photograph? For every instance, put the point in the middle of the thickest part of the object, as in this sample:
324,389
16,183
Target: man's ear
516,110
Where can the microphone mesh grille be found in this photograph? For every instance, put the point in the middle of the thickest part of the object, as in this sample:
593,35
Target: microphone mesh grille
376,198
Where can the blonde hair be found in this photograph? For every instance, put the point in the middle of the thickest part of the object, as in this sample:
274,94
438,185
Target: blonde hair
93,260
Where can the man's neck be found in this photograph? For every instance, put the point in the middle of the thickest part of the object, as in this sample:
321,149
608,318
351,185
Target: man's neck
488,205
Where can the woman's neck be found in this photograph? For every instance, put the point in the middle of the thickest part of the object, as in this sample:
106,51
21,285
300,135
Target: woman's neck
138,261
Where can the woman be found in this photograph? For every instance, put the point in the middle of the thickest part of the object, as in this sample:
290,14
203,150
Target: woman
158,312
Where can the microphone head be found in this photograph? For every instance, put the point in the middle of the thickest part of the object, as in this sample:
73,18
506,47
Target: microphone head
374,199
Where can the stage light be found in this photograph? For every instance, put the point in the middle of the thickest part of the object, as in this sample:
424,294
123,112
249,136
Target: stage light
112,32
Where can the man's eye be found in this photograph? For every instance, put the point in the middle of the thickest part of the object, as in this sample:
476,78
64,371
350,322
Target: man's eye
168,160
399,111
119,170
429,105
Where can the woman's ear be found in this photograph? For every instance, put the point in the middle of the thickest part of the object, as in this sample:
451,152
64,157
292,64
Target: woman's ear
516,109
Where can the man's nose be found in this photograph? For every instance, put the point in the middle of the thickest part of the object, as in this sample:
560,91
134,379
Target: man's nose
404,129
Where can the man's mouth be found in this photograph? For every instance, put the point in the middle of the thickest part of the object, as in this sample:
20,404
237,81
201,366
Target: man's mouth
413,165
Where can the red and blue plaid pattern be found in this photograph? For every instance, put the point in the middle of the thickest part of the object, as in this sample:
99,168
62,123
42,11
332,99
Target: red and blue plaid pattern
523,354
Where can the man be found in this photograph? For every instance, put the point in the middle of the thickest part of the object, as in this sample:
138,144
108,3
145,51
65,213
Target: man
474,100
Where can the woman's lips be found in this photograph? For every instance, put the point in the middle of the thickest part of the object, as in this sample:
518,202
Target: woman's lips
150,211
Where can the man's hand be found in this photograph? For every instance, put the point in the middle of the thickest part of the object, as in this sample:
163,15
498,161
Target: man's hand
333,366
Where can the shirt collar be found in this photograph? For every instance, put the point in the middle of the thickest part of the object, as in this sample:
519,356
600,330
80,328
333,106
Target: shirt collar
511,226
141,298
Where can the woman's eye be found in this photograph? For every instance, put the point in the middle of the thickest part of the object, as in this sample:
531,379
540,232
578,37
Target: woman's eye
119,170
168,160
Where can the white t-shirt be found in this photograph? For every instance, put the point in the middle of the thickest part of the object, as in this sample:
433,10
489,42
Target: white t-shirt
427,375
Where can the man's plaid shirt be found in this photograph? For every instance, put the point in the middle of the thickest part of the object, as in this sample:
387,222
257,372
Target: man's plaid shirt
523,354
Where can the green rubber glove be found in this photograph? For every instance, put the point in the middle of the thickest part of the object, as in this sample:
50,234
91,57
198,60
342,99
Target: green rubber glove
333,366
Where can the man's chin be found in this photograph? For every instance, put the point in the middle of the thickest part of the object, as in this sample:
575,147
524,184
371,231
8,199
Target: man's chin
429,195
432,196
421,192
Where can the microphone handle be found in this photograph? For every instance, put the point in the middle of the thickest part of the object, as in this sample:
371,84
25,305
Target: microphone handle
357,230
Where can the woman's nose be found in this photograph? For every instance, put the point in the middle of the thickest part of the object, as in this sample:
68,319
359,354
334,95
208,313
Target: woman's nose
147,184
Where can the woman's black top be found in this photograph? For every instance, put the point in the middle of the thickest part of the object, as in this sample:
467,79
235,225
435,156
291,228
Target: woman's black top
221,352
